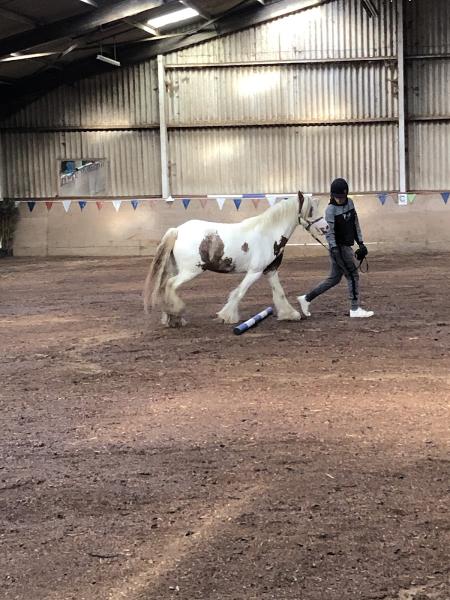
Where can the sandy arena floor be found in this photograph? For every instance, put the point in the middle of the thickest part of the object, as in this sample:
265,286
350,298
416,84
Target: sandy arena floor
301,461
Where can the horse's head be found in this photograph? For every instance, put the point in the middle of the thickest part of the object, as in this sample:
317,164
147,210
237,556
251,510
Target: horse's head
310,218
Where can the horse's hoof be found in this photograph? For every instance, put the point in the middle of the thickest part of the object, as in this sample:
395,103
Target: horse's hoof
292,316
228,319
175,321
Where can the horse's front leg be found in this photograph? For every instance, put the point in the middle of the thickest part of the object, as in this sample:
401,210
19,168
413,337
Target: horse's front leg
230,312
285,312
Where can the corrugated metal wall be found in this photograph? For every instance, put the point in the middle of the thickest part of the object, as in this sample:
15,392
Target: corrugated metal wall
238,127
32,160
286,94
428,98
282,159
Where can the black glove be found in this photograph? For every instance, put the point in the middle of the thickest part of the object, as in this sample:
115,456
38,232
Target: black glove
361,252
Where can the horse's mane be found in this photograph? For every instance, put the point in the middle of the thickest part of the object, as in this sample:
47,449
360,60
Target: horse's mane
284,209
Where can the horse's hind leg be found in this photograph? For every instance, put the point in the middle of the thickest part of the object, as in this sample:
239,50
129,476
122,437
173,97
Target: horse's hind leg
173,304
230,312
285,312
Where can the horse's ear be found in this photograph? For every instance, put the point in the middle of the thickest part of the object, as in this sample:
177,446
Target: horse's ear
301,199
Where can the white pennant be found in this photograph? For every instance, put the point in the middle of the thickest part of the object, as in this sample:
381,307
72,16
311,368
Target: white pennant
220,202
16,203
66,204
271,199
116,204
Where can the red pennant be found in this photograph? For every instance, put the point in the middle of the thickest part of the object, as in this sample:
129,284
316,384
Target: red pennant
203,202
49,205
255,202
99,204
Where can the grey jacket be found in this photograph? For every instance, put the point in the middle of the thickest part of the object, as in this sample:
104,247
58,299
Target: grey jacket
343,225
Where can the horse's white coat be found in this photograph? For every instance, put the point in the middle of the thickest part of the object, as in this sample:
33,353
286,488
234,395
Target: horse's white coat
249,247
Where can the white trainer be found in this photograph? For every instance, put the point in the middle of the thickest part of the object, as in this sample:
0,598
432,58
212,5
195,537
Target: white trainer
361,313
304,305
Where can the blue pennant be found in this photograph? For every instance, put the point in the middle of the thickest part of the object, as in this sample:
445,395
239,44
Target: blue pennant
237,202
382,198
82,203
186,202
31,205
445,196
134,204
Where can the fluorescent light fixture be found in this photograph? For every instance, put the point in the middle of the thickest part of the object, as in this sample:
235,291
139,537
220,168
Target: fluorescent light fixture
173,17
108,60
26,56
90,2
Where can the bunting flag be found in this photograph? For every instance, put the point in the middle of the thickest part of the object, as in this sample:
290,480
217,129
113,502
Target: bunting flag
186,202
255,202
134,204
16,203
271,199
403,199
116,204
31,205
99,204
203,202
382,198
220,202
411,198
445,196
82,204
237,202
66,204
49,205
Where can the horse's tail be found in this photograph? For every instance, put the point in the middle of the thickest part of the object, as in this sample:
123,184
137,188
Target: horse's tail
161,268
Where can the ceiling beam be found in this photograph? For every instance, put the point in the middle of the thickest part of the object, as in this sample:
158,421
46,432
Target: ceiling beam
201,11
77,25
14,16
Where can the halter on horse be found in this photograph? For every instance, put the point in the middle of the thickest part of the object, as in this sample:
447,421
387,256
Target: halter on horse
255,247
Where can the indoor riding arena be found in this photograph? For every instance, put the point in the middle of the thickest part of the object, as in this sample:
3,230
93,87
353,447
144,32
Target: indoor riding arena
211,160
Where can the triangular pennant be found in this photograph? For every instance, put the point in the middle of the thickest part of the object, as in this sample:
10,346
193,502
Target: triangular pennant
99,204
382,198
255,202
220,202
16,203
203,202
411,198
82,204
186,202
134,204
66,204
271,199
237,202
49,205
116,204
31,205
445,196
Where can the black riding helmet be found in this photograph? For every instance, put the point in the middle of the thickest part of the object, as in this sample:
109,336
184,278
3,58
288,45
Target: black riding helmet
339,188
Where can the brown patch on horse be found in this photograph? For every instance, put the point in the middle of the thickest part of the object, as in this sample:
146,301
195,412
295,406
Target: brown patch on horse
301,200
273,266
244,247
211,251
278,246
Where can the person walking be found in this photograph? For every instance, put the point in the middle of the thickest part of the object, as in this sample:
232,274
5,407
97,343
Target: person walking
343,231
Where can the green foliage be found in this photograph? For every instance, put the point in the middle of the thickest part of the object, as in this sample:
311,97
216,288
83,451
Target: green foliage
9,215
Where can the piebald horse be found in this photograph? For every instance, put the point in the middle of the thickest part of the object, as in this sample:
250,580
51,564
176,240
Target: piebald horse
254,247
